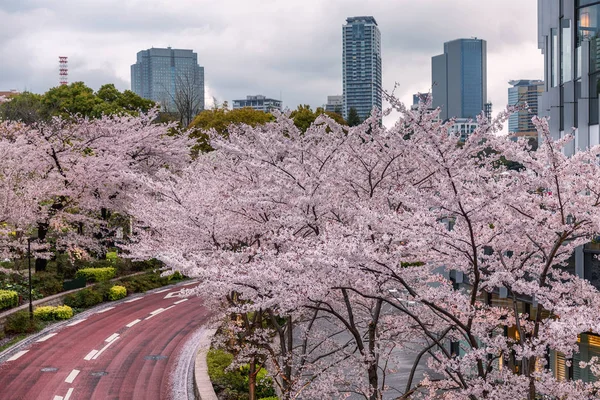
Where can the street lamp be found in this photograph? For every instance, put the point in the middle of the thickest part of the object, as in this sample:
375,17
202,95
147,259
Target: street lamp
29,239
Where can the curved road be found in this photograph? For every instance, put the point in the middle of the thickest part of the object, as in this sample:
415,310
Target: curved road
129,351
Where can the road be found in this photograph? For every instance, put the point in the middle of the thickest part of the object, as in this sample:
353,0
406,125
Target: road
130,350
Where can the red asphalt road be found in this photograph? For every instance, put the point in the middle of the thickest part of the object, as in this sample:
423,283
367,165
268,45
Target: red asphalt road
136,365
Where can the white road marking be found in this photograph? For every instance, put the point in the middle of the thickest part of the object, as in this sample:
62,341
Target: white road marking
58,398
90,355
164,290
72,376
180,301
19,354
112,337
77,322
68,395
105,310
172,294
160,310
191,283
104,348
135,299
132,323
43,339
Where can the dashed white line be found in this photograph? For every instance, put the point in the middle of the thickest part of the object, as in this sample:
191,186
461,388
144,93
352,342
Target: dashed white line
90,355
164,290
135,299
158,311
58,398
19,354
43,339
104,348
105,310
68,395
77,322
191,283
112,337
72,376
180,301
132,323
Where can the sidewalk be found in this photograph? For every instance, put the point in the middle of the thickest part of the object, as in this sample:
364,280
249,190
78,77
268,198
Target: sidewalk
203,384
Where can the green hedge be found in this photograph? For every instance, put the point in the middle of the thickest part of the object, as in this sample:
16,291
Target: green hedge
51,313
20,322
84,298
8,299
96,274
117,292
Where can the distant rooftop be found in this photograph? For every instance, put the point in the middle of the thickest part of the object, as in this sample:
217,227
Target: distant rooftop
361,19
526,82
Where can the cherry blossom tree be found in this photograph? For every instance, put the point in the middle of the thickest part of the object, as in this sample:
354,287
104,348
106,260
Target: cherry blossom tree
65,177
358,242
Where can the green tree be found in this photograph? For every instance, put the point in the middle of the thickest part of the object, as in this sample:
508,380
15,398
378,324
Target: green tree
25,107
304,117
219,119
353,117
76,98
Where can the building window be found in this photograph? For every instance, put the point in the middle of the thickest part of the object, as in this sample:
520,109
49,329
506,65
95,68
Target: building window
565,51
554,55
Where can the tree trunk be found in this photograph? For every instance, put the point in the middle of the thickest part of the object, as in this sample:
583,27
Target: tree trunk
373,381
252,380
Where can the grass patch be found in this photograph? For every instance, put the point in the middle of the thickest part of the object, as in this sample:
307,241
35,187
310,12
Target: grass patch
13,341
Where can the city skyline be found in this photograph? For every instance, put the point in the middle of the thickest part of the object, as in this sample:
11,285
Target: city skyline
263,48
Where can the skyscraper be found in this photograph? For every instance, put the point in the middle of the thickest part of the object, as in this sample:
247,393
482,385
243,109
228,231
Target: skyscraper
361,66
459,78
524,91
167,75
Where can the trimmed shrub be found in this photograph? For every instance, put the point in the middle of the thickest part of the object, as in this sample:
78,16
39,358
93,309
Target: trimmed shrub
117,292
84,298
175,276
8,299
47,283
96,274
20,322
51,313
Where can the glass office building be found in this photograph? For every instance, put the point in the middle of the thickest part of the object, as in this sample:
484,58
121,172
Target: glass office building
569,38
159,74
361,66
459,78
524,91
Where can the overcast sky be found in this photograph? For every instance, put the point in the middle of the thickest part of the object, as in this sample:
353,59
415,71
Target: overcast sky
270,47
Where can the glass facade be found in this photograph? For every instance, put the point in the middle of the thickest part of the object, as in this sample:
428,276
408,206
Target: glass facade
159,74
524,91
554,55
361,66
472,74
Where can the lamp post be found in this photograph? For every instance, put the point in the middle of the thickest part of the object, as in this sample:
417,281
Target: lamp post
29,265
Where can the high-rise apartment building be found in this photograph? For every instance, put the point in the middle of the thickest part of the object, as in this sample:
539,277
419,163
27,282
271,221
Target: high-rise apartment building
163,74
361,66
459,78
258,102
524,91
335,104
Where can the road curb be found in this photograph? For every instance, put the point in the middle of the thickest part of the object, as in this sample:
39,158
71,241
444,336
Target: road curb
202,383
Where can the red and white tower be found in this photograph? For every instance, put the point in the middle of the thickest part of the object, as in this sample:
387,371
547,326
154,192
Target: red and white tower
63,70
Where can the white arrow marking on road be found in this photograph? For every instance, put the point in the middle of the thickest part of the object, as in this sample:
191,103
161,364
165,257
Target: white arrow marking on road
173,294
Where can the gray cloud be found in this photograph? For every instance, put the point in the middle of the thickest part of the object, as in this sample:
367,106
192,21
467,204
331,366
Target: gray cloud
288,46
